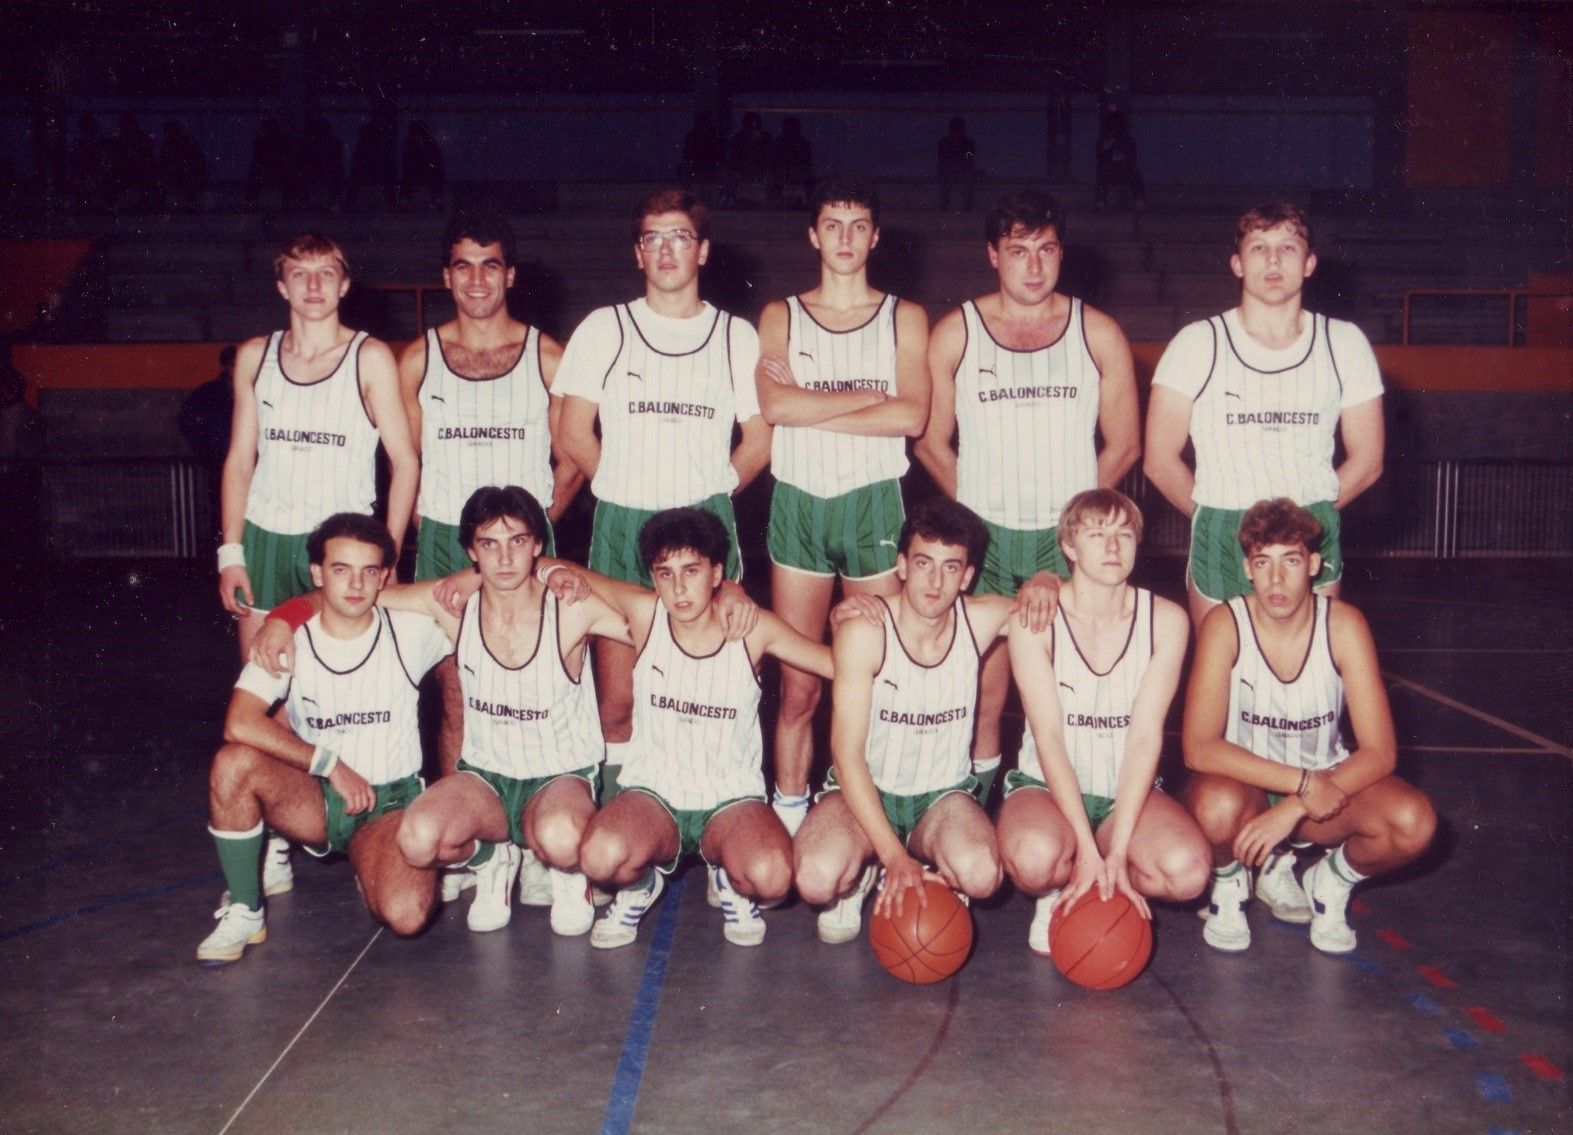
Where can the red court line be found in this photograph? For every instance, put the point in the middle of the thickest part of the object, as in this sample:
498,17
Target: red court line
1486,1019
1436,977
1394,939
1540,1066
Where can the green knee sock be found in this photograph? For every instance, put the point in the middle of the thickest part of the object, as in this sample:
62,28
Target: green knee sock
240,856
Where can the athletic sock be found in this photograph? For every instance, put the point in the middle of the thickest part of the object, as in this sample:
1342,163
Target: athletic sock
985,770
611,770
240,856
1346,875
1227,871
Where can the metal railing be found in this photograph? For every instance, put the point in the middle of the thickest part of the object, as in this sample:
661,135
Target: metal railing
168,508
1511,296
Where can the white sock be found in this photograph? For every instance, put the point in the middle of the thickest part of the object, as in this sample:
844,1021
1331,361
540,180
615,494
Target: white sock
1342,871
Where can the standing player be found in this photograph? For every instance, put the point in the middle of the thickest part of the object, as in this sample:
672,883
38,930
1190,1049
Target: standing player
693,781
1083,808
667,375
1028,378
336,776
311,403
903,701
531,739
477,390
1273,671
842,378
1259,392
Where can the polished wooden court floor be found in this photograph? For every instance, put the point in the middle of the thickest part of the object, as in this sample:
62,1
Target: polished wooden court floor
1452,1016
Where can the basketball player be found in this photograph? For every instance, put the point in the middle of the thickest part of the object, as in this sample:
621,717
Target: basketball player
477,390
1272,674
337,773
311,404
531,739
693,780
1083,810
903,701
843,381
1260,392
1025,379
667,376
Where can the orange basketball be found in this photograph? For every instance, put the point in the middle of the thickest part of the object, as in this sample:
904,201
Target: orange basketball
1101,945
926,943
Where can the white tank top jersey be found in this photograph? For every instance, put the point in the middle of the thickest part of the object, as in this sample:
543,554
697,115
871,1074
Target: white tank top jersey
1293,722
666,409
829,464
1263,421
530,721
1026,424
359,696
1097,706
921,718
696,735
316,445
482,431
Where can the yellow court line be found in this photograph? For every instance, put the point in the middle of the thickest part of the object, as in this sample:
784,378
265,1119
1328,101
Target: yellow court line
1481,715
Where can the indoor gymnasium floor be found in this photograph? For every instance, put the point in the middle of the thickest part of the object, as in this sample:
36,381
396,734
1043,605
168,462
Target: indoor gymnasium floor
1452,1016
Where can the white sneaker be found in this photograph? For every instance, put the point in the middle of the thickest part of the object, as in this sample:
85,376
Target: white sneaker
492,906
619,926
712,891
791,812
842,920
572,911
742,925
238,927
277,874
1278,889
1226,928
535,886
1038,931
1328,896
455,881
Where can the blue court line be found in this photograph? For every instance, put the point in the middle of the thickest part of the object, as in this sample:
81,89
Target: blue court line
108,904
636,1044
1462,1039
94,849
1425,1005
1493,1088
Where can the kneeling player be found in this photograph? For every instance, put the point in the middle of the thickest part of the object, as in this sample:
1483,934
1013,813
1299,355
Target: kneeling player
336,777
693,779
903,703
1082,809
1272,673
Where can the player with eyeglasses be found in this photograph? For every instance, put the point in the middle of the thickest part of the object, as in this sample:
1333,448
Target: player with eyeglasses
666,376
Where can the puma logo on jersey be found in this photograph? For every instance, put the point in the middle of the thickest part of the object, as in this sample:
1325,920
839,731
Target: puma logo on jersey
636,375
891,684
439,398
1231,394
809,355
887,543
1248,684
658,670
470,670
313,701
266,403
1067,686
988,371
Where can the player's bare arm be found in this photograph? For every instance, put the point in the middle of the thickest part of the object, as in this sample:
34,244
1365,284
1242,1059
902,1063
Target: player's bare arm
379,382
1363,432
905,414
577,427
935,449
775,637
567,477
248,722
752,452
1119,419
239,466
1168,431
412,376
1375,754
782,402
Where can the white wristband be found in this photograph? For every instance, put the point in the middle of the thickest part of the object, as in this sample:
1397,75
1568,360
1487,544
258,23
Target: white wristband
545,573
231,555
323,761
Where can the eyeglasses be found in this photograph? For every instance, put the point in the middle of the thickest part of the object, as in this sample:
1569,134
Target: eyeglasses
681,240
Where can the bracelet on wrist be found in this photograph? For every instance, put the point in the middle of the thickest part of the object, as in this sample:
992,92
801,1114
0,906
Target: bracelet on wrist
1305,783
545,573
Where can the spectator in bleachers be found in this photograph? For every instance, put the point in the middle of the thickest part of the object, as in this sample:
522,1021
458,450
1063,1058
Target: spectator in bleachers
269,160
792,178
748,161
423,166
957,165
134,165
374,163
90,166
1117,166
321,165
699,167
182,168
